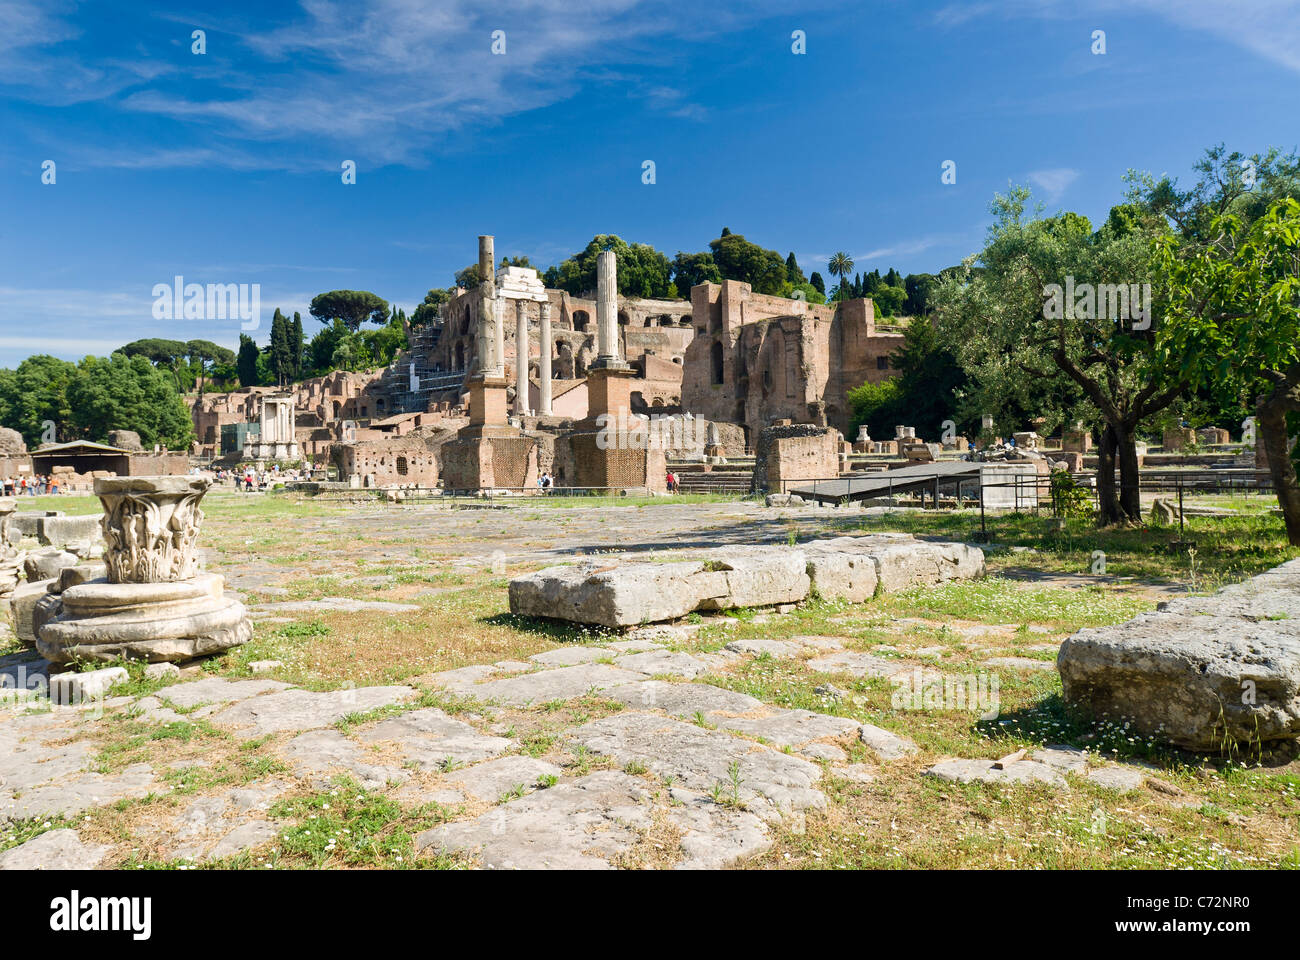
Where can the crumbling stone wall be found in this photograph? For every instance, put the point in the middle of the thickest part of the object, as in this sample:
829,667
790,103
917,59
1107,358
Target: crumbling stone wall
758,358
795,452
393,461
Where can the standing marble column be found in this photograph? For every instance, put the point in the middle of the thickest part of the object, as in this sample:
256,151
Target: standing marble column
521,359
489,320
499,349
544,361
606,308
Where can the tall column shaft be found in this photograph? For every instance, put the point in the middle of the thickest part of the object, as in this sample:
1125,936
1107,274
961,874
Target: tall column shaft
606,307
521,359
487,336
499,350
544,361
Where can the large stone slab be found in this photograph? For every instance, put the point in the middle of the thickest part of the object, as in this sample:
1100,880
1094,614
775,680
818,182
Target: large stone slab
700,759
613,594
195,693
684,699
54,850
619,594
430,739
789,728
61,530
65,797
491,780
857,664
987,771
305,710
583,825
592,823
758,577
666,662
320,755
559,684
1197,681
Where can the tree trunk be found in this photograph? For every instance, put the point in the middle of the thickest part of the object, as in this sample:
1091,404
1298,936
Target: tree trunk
1130,491
1270,418
1108,511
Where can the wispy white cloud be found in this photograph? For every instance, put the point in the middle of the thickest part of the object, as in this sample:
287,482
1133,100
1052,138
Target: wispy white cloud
1053,183
387,79
1267,28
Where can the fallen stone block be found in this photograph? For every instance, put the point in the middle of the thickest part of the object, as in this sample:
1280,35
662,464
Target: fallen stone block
59,531
613,594
47,564
1197,681
73,688
759,577
22,603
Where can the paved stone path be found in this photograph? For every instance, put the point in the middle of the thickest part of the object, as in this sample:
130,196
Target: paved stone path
700,774
651,765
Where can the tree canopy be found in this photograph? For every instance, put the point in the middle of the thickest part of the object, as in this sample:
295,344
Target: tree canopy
353,307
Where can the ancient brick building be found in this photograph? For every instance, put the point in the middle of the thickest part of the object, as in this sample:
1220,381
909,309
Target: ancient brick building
391,461
757,358
321,406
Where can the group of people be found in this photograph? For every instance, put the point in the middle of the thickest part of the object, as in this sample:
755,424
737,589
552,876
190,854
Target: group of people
672,482
545,481
249,479
34,486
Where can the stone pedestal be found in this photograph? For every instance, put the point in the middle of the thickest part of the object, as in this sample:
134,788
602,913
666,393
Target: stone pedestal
153,602
487,401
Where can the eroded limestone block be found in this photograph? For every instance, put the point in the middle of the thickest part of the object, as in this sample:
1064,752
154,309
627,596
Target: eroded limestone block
47,564
1194,680
22,603
613,594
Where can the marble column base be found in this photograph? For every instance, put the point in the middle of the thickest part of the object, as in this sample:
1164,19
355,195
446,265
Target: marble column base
173,621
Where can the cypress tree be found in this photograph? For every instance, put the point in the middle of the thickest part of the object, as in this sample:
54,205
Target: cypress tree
792,271
296,344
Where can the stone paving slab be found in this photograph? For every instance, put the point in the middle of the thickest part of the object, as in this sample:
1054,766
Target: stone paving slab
219,825
571,656
305,710
80,792
317,756
1020,663
492,779
984,771
700,759
562,683
430,738
667,662
684,699
857,664
59,849
216,690
886,744
789,728
582,825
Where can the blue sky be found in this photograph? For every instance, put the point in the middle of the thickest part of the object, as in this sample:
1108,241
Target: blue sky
225,167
